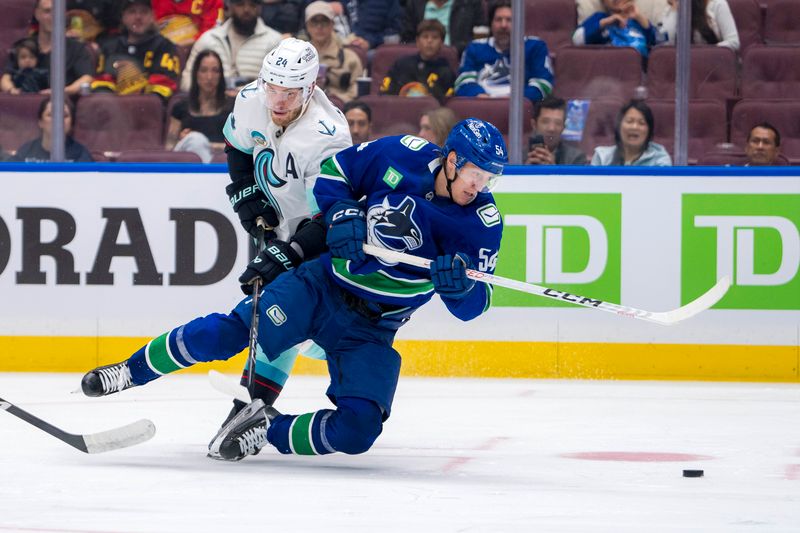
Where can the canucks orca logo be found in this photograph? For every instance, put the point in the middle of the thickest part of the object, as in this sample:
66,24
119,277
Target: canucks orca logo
394,226
264,173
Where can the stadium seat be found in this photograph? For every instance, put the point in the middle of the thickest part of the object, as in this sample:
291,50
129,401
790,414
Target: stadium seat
771,72
494,110
598,129
748,17
174,100
553,21
156,156
387,54
397,115
707,125
17,14
782,22
597,72
731,156
783,114
107,122
18,122
712,75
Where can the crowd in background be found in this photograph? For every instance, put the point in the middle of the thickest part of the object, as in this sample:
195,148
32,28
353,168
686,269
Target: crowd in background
444,58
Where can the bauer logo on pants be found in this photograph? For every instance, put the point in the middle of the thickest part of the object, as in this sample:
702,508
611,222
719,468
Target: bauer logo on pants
753,238
276,315
569,242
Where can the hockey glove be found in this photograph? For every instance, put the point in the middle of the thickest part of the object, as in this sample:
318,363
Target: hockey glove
249,203
347,231
449,276
277,258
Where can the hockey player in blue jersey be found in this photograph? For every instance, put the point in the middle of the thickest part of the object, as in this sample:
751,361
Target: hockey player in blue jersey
401,193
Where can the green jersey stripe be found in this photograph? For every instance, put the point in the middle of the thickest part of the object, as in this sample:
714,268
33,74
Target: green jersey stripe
158,357
300,440
382,283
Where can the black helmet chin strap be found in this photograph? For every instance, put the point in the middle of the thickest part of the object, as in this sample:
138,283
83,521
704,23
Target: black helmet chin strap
450,181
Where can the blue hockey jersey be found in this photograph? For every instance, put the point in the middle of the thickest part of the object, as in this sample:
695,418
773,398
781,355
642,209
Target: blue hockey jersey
393,178
485,69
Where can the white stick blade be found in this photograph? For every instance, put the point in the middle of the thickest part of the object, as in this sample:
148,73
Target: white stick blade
227,386
706,301
122,437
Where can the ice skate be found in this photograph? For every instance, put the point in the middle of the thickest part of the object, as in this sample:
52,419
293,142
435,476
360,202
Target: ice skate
245,434
238,405
105,380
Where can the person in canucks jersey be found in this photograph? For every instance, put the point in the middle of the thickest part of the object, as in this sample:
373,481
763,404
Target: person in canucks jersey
401,193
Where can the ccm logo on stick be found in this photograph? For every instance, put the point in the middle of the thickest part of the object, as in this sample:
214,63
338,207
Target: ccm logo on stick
572,297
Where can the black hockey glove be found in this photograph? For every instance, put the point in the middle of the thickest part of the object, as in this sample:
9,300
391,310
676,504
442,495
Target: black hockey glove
277,258
249,203
449,276
347,231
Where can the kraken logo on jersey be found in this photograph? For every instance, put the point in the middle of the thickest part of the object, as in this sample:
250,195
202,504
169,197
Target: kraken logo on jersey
264,173
394,226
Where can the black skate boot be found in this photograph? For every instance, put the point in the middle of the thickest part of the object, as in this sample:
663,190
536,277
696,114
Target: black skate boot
245,434
238,405
105,380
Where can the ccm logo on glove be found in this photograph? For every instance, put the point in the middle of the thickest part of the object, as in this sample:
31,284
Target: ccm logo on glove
349,212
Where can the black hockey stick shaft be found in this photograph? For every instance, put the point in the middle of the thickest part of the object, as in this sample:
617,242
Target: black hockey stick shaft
252,346
76,441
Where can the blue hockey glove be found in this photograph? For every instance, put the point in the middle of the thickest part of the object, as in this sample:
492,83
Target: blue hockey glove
250,203
449,275
277,258
347,231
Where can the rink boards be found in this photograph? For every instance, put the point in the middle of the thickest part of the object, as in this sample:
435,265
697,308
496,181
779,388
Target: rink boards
95,260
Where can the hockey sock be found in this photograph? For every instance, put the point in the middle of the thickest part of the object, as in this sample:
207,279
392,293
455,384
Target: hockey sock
270,376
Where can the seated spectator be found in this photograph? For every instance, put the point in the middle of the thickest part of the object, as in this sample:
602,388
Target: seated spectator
140,60
620,24
78,62
633,134
343,65
38,149
284,16
546,147
652,9
458,17
23,74
424,73
195,124
485,66
359,118
373,23
183,22
92,20
712,23
435,125
241,42
763,146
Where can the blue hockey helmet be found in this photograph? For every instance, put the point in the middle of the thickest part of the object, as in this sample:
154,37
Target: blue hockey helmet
478,142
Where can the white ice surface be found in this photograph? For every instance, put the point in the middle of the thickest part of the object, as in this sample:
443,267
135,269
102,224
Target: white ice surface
456,455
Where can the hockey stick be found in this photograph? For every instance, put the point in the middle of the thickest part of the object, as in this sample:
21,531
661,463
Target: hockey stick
667,318
251,350
227,386
105,441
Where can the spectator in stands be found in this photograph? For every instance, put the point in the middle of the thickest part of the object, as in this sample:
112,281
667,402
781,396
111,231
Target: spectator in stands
139,60
23,74
652,9
425,73
485,66
92,20
435,125
359,118
183,22
39,149
373,23
78,62
619,24
342,64
712,23
633,135
547,147
284,16
241,42
195,124
763,146
458,17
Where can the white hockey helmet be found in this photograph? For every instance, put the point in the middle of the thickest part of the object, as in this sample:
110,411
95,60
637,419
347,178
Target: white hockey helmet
292,64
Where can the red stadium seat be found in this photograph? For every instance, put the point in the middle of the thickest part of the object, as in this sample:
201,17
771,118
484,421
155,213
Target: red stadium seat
712,75
783,114
108,122
17,14
597,72
397,115
782,22
552,21
771,72
599,127
494,110
749,23
707,125
157,156
732,155
18,122
387,54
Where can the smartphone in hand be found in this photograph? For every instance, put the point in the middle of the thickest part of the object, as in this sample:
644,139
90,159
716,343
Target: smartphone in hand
538,140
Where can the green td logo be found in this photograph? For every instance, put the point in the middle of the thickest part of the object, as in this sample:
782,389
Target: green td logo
753,238
568,242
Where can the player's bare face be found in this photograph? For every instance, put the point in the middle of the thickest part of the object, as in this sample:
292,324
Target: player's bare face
284,104
468,182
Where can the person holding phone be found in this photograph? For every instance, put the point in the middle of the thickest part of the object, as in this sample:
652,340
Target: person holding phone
547,147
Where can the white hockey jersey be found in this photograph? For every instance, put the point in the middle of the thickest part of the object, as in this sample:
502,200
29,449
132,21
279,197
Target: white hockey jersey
287,161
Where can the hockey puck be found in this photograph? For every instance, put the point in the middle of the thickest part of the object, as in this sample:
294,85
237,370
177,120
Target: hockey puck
692,473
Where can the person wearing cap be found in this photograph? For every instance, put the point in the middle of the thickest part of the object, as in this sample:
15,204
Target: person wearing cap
342,65
241,42
139,60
